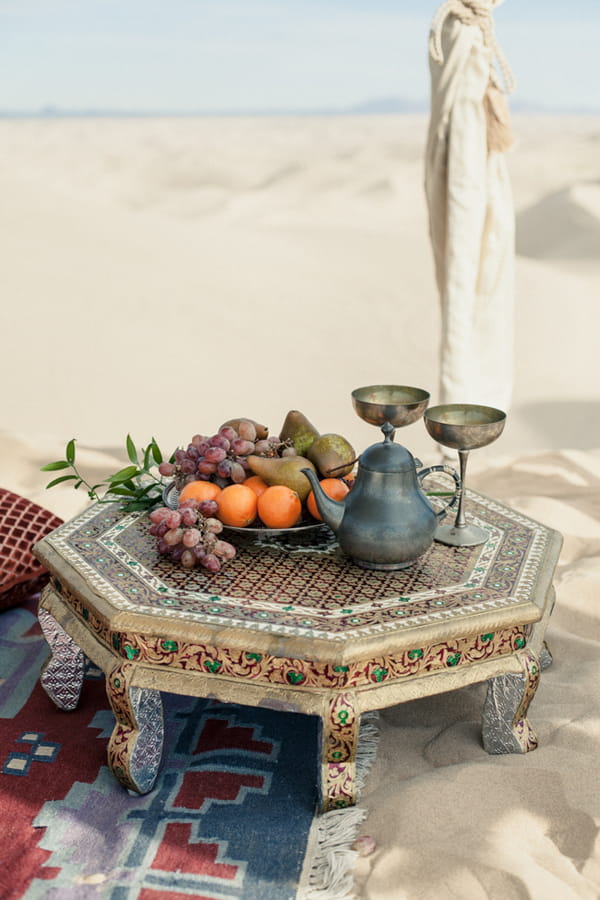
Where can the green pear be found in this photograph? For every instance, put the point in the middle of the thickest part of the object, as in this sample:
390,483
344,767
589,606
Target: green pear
333,455
299,431
283,470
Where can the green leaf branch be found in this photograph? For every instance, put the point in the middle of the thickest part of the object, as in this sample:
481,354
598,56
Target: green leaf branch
136,486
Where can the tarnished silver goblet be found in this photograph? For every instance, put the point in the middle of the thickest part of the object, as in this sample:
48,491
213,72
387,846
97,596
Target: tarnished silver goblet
463,427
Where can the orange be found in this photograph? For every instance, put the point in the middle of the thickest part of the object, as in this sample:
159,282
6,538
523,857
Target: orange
200,490
279,507
257,484
334,488
237,505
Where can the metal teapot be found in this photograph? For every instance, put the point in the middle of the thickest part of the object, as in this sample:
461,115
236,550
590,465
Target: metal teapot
386,521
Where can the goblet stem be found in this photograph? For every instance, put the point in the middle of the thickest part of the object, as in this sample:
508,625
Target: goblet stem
463,456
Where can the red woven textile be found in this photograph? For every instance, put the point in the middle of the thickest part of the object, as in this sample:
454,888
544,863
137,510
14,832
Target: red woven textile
22,523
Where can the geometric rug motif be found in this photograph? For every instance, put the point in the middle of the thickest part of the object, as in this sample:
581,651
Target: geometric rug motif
228,818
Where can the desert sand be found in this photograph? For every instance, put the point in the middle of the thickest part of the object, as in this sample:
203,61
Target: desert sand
161,275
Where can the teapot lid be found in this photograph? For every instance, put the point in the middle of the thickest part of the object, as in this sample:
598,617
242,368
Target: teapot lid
387,456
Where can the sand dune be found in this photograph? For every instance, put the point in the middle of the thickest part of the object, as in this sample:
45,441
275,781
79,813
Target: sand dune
164,273
159,276
564,225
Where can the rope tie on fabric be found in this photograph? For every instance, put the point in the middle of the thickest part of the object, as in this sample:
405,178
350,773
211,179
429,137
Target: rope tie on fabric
471,12
479,12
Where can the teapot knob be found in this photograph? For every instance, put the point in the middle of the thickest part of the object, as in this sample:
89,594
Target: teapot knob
388,431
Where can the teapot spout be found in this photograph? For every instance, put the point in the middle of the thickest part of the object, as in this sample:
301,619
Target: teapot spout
331,511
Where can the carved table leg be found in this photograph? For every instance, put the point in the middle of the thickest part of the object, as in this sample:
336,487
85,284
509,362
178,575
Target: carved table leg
338,762
62,673
135,746
545,657
505,725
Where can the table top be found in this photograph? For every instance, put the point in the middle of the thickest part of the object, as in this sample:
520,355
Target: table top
301,594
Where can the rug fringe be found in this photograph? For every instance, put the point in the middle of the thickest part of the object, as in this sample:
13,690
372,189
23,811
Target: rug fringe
327,873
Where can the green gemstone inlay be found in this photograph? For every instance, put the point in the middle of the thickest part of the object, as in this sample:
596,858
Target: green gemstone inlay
85,613
116,641
337,754
519,643
343,716
380,674
213,665
255,657
487,637
341,668
453,659
131,652
295,677
169,645
415,654
117,682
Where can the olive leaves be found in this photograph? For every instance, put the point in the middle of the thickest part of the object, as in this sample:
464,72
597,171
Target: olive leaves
135,486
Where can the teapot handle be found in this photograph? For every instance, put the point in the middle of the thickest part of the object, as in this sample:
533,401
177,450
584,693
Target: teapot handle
440,513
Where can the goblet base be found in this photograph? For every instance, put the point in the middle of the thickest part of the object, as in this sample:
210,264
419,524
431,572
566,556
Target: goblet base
461,535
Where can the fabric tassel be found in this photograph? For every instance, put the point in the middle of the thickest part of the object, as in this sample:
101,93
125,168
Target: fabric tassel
499,132
330,858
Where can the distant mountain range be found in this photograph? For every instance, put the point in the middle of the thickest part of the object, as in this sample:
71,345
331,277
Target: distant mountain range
377,106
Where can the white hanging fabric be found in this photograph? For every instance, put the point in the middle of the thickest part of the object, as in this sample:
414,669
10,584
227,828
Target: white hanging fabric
471,211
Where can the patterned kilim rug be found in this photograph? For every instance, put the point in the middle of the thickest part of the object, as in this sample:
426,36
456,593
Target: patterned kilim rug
232,816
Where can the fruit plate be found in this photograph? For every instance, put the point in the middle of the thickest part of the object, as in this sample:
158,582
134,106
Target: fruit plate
306,526
263,531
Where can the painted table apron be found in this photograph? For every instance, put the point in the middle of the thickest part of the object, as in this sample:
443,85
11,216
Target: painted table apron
293,624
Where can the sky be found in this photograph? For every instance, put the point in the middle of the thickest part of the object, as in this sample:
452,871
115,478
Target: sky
260,55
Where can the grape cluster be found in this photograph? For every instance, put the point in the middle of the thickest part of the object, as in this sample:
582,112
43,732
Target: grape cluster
223,457
190,535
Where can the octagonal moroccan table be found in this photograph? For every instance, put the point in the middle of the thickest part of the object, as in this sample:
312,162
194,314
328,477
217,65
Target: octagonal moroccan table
292,623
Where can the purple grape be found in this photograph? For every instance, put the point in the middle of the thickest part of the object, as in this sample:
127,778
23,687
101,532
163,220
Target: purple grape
219,441
205,467
162,529
163,547
208,508
262,447
180,455
167,469
242,447
211,562
188,466
173,537
177,552
224,468
199,551
153,530
160,514
173,520
224,550
228,432
189,503
197,440
289,451
247,430
192,452
215,454
188,560
213,526
238,473
191,537
189,517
